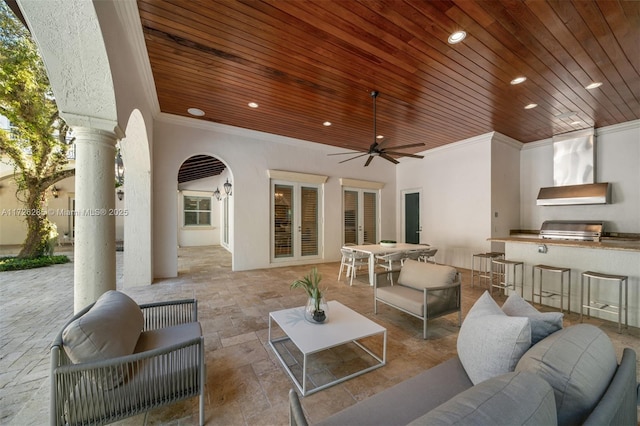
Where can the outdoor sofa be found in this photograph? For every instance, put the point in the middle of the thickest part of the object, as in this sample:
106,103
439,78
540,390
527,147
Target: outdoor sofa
567,376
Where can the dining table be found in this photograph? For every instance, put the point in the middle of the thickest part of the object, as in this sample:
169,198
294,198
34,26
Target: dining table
376,249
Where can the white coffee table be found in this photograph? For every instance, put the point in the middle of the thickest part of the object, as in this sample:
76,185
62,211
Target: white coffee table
342,327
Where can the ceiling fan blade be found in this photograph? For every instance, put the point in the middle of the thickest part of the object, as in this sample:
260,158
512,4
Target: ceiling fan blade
413,145
403,154
388,158
382,142
353,158
344,153
368,160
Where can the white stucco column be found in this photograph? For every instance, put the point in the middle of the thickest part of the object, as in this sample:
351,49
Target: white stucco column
94,251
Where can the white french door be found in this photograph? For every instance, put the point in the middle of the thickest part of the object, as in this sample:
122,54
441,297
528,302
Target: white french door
296,225
360,216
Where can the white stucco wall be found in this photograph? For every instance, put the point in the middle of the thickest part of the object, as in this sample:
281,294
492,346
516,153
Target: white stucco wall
505,187
456,204
249,155
617,162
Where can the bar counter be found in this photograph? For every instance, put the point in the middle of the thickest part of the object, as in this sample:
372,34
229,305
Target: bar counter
605,243
618,256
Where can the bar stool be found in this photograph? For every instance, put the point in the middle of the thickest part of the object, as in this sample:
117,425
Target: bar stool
484,269
555,269
503,268
606,307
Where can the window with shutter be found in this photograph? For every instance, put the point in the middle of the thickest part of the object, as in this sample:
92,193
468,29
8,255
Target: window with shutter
360,216
370,217
296,225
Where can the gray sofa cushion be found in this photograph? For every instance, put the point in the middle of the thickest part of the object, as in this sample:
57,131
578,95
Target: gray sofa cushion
578,362
518,398
109,329
425,275
490,343
407,400
542,323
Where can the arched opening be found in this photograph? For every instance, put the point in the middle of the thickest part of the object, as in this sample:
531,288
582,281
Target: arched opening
205,203
133,211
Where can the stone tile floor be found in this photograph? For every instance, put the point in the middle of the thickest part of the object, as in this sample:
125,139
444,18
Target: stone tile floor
246,385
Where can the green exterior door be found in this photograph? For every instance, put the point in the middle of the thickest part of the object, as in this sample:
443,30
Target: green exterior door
412,217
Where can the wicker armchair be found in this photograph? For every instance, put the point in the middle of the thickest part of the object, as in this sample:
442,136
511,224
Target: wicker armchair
166,365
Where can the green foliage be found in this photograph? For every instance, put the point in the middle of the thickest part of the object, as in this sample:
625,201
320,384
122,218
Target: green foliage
17,264
37,143
311,285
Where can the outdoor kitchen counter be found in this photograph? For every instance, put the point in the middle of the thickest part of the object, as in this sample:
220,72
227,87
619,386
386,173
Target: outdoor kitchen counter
619,256
605,243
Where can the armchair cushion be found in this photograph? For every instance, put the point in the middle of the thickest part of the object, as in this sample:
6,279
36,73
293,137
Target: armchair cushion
168,336
578,362
110,329
542,323
490,343
425,275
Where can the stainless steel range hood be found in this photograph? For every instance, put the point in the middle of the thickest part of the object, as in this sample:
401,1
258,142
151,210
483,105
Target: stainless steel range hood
574,170
594,193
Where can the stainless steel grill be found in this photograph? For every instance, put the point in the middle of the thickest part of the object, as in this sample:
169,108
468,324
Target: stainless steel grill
572,230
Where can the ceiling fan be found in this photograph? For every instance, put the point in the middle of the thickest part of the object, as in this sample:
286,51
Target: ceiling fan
376,149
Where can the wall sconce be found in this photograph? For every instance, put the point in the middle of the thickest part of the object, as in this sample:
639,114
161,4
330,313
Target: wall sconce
216,194
119,168
54,191
120,194
227,187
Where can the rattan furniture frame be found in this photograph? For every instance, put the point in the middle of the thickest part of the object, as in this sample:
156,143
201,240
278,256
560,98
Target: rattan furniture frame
155,377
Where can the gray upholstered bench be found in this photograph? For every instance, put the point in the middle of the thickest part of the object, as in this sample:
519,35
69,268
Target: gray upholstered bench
116,359
423,290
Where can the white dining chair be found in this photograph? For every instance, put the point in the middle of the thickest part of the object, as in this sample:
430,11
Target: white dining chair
352,260
428,256
386,261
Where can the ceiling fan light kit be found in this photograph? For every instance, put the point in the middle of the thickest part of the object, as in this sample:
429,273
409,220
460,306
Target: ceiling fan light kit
376,149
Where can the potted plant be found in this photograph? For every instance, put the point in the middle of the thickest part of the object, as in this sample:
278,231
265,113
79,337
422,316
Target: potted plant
316,309
388,243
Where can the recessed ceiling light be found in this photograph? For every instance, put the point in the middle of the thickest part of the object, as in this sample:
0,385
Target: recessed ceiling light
566,114
530,106
326,123
518,80
253,105
593,85
457,37
196,112
575,123
380,137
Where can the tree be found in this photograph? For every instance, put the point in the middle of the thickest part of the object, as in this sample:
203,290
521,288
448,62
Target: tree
37,143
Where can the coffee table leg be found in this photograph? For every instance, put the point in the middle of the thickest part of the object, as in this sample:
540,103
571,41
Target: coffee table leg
304,375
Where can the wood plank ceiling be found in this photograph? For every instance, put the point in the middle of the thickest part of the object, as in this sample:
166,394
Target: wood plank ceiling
308,62
199,167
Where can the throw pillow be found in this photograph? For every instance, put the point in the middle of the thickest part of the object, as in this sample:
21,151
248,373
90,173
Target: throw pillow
108,330
542,323
490,343
579,363
520,398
